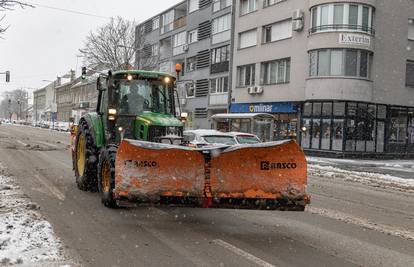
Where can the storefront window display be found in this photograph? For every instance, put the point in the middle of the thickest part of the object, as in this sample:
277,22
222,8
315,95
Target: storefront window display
356,127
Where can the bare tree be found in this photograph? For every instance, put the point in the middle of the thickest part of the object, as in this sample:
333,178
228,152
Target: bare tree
8,5
112,46
13,102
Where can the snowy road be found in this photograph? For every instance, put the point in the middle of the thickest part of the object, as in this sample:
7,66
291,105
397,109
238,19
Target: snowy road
352,221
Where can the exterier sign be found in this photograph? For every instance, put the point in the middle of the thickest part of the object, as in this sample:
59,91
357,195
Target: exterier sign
354,39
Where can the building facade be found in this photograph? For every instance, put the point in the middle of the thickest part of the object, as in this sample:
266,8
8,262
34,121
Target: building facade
84,97
39,105
337,75
197,35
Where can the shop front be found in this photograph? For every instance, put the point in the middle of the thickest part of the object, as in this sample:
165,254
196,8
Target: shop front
357,128
285,114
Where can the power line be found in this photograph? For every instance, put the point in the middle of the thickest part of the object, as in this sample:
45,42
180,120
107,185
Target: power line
69,11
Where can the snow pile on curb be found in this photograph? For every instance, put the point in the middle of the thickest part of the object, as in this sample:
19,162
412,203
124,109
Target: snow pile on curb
24,236
368,178
394,164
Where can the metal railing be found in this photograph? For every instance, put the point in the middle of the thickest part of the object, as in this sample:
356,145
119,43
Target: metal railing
335,27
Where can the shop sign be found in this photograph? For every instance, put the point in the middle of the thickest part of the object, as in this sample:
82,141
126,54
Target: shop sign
354,39
274,107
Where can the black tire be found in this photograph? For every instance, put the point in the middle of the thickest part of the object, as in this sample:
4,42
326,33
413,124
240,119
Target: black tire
86,179
107,164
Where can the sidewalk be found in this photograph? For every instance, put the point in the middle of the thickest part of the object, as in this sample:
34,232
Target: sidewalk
397,168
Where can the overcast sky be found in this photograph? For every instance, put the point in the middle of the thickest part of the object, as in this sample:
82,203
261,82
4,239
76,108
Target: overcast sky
42,43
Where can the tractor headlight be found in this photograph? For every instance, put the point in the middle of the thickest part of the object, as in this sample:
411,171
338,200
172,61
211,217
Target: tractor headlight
111,111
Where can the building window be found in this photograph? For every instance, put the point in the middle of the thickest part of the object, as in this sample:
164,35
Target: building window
219,85
192,36
179,41
328,127
247,6
155,23
220,54
338,16
409,76
220,59
193,5
277,31
340,62
398,126
248,38
191,64
267,3
154,49
411,29
276,71
246,75
221,4
221,29
167,21
189,90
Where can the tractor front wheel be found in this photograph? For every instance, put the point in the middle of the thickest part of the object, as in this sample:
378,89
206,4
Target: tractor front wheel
106,176
85,161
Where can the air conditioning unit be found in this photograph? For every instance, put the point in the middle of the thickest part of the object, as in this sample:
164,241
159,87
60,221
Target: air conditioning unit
298,14
185,48
183,101
258,89
251,90
297,25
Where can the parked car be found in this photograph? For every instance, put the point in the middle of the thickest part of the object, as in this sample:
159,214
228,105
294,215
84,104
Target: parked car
201,138
245,138
62,126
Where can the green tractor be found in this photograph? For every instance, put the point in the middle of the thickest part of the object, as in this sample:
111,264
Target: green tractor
137,105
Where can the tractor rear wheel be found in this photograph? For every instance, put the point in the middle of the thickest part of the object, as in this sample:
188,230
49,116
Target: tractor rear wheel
85,161
106,176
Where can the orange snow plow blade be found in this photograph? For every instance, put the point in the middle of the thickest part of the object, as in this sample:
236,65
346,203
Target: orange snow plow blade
148,171
262,176
269,175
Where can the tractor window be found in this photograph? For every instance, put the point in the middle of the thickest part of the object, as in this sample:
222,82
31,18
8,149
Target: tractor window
137,96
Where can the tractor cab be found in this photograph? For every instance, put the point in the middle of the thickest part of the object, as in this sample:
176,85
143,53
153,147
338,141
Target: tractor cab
139,105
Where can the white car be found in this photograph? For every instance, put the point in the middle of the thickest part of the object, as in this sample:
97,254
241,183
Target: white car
202,138
245,138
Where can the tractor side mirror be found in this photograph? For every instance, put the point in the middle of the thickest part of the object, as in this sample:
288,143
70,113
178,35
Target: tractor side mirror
100,84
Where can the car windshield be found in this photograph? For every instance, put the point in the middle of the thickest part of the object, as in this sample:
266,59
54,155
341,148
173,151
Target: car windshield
247,139
137,96
217,139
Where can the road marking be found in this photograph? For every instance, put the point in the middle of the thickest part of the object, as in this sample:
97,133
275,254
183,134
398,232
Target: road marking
242,253
56,192
382,228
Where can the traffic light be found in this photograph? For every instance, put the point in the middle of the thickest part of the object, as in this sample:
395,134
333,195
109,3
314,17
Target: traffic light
83,77
7,76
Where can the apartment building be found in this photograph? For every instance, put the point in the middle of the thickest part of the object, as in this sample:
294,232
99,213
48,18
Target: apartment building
84,97
337,75
197,35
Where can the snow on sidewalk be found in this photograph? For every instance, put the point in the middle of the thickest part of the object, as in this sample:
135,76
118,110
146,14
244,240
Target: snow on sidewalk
368,178
25,237
402,165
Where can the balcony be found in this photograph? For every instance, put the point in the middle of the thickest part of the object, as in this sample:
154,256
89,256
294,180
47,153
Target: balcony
180,22
218,99
342,27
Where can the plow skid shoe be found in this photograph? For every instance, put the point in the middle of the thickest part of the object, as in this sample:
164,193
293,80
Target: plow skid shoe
264,176
145,172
